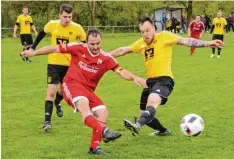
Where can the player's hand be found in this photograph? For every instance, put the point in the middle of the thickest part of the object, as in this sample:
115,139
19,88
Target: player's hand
28,53
189,35
140,82
226,34
216,44
14,35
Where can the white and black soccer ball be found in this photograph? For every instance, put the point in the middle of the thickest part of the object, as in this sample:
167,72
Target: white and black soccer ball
192,125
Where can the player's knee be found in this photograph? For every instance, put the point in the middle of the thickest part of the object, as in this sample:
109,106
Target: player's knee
51,92
153,100
101,114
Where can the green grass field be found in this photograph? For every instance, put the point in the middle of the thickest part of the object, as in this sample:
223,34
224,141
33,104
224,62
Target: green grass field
203,86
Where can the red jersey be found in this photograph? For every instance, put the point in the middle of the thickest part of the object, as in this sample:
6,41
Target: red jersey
196,27
85,68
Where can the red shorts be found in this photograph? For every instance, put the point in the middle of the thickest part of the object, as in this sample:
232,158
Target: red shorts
73,91
195,36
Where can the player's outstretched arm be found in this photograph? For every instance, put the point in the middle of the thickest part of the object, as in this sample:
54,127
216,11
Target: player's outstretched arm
38,38
42,51
120,51
125,74
199,43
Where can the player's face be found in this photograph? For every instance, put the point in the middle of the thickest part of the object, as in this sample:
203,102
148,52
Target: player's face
25,11
94,44
198,18
66,18
219,14
147,32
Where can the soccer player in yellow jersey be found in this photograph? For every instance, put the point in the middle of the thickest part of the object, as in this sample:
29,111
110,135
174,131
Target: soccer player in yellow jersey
219,24
156,49
25,23
62,31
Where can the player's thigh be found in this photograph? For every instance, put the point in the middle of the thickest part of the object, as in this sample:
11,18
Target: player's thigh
215,36
97,107
53,76
73,92
221,37
163,87
29,39
62,71
144,97
23,39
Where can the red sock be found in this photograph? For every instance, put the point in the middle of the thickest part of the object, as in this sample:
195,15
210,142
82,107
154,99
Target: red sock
97,137
91,122
192,50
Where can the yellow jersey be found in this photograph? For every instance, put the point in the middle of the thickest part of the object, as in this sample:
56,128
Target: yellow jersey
63,35
219,25
25,23
157,55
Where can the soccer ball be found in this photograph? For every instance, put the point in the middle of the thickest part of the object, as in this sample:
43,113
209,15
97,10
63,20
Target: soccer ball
192,125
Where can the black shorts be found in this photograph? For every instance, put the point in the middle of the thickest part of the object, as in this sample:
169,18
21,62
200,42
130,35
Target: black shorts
217,36
56,73
26,39
163,86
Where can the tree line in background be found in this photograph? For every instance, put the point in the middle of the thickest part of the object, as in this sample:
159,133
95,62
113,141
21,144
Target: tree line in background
106,13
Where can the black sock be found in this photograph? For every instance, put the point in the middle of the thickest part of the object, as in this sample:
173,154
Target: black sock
213,50
156,125
58,99
219,51
48,110
147,115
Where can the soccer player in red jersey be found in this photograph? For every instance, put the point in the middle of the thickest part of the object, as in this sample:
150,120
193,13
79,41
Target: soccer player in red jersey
88,65
195,30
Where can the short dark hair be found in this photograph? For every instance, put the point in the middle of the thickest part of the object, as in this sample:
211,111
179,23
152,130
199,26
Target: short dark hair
144,19
66,8
25,7
94,32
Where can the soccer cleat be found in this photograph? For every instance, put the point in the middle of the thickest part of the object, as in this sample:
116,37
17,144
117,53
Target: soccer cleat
59,110
97,151
47,126
218,56
212,55
23,58
28,60
109,135
158,133
133,127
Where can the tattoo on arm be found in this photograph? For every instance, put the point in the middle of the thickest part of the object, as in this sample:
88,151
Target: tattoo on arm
192,42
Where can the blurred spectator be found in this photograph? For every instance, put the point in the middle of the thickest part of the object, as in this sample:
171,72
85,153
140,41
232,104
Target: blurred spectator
163,21
230,23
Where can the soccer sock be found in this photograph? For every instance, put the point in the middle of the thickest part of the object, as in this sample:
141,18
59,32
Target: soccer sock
48,110
147,115
192,50
97,136
213,50
219,51
91,122
156,125
58,99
